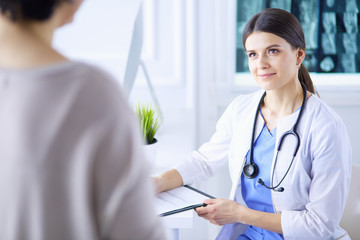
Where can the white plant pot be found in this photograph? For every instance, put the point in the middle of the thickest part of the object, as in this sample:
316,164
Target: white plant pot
151,152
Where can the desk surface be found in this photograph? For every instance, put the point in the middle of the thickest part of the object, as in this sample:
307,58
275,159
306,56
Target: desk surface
174,145
179,220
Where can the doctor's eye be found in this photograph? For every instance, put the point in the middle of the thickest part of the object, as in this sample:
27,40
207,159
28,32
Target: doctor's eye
273,51
251,54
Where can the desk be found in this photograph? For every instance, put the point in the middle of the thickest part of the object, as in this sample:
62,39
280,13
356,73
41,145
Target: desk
174,222
177,221
174,145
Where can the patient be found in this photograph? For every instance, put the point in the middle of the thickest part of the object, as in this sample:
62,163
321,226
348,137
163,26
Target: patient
69,149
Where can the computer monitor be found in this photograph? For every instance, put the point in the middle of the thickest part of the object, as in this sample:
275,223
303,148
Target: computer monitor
134,61
134,56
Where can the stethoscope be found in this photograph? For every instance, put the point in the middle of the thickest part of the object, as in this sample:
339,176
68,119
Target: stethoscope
251,170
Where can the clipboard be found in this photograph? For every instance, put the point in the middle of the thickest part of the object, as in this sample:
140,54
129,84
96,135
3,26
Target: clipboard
179,200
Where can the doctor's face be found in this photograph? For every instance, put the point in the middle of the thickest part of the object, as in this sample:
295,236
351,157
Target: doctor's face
272,60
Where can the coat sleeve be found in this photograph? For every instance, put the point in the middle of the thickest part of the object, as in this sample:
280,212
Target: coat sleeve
330,181
212,154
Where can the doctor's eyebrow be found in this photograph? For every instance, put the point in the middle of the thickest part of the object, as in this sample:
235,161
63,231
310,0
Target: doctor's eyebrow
268,47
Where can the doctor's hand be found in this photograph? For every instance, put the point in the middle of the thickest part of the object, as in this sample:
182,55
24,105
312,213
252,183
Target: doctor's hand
222,211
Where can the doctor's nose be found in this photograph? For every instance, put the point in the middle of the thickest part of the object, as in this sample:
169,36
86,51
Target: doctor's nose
263,62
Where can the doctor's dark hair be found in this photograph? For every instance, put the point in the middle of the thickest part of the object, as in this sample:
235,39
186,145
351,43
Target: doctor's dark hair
284,25
23,10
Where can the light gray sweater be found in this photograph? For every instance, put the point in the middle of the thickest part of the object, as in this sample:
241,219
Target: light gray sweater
72,166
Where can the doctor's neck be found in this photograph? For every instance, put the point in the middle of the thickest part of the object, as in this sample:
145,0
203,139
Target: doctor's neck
283,102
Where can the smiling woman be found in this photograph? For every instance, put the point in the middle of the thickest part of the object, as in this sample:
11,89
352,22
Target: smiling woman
288,152
294,39
274,64
270,56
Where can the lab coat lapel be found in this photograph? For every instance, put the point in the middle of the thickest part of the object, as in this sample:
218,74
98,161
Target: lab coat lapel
284,158
244,141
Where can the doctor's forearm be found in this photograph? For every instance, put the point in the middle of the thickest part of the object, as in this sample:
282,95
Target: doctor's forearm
268,221
168,180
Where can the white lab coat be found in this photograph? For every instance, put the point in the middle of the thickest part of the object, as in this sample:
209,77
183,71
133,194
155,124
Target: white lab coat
317,184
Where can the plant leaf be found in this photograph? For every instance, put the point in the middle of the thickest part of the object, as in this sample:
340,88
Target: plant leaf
148,120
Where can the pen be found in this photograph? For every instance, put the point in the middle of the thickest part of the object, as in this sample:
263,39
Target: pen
183,209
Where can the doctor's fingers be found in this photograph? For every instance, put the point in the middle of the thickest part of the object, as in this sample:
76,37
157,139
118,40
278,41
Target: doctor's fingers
216,206
212,201
207,216
204,210
211,217
209,213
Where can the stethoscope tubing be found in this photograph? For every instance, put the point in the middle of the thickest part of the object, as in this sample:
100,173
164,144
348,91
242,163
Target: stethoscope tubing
292,131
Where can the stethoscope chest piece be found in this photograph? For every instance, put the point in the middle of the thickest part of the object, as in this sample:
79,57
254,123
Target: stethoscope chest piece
250,170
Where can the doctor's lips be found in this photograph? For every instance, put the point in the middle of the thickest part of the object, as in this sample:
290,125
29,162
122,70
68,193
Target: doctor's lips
265,75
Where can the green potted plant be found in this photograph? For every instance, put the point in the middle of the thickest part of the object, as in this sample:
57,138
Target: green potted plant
149,122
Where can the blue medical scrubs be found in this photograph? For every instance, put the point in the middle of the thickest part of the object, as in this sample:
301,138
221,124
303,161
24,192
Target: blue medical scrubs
256,196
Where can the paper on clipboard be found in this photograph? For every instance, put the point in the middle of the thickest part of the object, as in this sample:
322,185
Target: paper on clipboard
179,199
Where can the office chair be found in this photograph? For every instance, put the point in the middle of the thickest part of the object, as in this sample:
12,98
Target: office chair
351,217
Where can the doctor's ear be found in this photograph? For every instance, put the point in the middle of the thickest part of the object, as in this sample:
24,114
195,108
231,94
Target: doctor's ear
300,56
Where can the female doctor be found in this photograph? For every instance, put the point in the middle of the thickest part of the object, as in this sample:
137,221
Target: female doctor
289,153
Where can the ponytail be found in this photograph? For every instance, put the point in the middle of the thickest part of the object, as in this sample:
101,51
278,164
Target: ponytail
305,78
